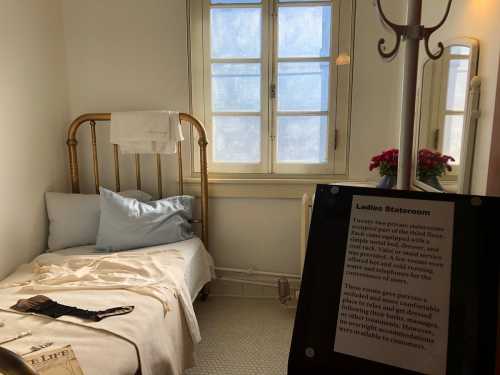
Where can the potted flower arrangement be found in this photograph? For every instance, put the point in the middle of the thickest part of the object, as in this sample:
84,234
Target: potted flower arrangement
431,165
387,163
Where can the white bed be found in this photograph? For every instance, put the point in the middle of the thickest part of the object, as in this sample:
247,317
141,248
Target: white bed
199,264
163,340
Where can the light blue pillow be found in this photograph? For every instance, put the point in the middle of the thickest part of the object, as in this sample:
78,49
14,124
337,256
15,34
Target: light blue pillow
128,224
74,218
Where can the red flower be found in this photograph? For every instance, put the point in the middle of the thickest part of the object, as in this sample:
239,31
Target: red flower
432,163
387,161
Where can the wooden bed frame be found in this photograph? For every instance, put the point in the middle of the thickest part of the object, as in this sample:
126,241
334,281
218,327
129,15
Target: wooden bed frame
92,118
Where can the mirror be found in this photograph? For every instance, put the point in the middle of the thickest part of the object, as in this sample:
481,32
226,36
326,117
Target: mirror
447,118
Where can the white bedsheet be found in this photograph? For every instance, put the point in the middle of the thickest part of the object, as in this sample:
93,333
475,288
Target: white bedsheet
199,264
100,349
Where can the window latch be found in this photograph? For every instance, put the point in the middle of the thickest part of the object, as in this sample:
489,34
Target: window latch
273,90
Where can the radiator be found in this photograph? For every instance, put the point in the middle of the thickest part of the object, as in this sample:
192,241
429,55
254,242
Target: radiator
289,296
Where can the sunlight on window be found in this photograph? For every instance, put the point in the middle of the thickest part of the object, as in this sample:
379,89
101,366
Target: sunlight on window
237,139
236,1
304,31
302,139
460,50
236,87
235,32
267,83
457,85
452,136
303,86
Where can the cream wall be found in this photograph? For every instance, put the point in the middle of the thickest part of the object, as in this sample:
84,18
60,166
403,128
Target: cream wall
129,55
377,88
124,55
478,19
33,116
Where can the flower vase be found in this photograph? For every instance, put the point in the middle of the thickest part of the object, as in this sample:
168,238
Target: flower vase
433,181
387,182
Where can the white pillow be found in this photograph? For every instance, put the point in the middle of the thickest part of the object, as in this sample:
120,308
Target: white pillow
74,218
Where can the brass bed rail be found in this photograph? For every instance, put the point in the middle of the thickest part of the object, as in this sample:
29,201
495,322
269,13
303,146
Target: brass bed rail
13,364
92,118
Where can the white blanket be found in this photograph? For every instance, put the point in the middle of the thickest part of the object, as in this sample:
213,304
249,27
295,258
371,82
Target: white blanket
146,132
134,279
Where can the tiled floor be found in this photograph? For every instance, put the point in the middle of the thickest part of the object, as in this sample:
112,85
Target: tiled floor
243,337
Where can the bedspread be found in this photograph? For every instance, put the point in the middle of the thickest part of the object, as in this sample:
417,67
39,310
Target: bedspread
153,282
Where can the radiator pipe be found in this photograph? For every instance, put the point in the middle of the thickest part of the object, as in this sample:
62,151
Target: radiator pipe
254,272
258,283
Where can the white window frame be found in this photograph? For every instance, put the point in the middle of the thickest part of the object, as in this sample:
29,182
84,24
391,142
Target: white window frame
439,110
264,113
340,92
443,111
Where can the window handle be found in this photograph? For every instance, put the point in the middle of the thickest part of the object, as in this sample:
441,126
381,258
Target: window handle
273,90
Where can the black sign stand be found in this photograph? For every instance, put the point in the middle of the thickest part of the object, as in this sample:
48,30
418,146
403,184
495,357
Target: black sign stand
472,330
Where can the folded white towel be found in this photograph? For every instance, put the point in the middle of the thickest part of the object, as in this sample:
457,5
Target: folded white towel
146,132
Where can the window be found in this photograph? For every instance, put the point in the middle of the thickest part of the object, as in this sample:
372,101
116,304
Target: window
454,98
265,83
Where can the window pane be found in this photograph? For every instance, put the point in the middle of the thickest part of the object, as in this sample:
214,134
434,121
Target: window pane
236,87
235,1
460,50
303,86
304,31
302,139
452,136
457,85
237,139
235,32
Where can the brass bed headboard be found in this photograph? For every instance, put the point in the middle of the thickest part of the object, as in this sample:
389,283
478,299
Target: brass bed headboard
92,118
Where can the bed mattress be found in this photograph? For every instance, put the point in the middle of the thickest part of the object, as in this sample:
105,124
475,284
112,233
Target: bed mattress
101,351
199,264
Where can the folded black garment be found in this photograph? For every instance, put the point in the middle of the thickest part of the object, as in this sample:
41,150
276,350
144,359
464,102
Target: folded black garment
45,306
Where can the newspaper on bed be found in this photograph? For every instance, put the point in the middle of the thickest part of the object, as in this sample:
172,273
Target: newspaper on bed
61,361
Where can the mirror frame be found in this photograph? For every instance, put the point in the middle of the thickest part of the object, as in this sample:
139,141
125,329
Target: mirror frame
470,121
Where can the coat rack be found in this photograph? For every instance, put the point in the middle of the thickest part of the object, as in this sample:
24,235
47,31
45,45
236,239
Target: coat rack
412,33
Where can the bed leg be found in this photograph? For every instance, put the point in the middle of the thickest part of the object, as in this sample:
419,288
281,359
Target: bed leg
205,292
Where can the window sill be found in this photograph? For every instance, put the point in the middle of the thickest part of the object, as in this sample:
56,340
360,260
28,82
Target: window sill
276,188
